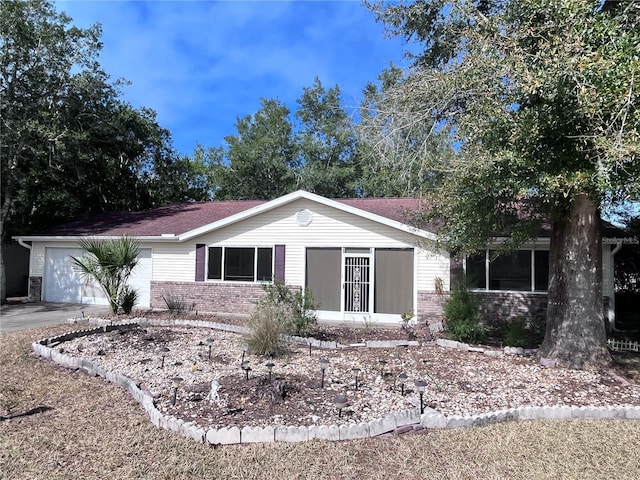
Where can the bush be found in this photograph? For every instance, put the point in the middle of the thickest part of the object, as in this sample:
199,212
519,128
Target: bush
461,315
177,304
128,299
267,325
521,332
296,307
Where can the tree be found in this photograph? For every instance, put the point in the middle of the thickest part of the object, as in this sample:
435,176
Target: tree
540,102
327,143
69,147
110,263
261,156
394,164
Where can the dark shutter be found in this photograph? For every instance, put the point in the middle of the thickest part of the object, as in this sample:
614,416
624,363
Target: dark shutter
200,256
279,262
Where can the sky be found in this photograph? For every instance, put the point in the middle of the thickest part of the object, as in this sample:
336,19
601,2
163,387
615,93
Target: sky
202,64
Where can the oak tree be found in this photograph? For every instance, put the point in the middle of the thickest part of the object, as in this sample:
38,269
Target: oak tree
539,101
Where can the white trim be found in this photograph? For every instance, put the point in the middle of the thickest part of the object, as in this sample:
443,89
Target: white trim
487,272
251,212
255,264
300,195
77,238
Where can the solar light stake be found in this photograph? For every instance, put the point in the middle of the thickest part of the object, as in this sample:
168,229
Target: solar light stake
245,366
356,371
244,351
210,342
270,366
341,402
164,351
403,379
176,382
420,386
324,363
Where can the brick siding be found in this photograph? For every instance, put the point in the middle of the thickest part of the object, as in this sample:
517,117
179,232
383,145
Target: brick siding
220,298
35,289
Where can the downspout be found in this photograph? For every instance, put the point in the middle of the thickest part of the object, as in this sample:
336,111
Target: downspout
612,298
25,245
28,247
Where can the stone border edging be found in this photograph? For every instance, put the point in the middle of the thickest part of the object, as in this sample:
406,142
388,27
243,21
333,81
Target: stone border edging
392,423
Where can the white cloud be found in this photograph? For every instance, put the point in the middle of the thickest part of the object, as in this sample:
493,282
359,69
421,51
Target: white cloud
202,64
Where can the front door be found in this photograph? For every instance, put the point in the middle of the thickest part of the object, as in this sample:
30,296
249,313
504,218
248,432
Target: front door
357,283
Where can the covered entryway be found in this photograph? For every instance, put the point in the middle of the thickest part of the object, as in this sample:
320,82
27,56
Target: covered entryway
63,283
361,284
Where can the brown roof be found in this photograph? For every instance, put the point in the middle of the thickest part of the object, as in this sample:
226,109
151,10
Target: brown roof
180,218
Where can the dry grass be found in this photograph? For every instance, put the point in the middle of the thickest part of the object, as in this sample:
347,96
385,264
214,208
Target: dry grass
94,430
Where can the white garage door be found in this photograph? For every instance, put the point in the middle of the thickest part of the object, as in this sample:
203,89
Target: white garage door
63,283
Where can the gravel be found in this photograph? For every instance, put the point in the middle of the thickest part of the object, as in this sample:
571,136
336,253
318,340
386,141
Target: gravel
459,383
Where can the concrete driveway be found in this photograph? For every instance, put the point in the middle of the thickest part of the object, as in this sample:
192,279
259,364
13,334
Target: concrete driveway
22,315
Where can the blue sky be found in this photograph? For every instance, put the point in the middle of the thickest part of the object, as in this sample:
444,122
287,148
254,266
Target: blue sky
202,64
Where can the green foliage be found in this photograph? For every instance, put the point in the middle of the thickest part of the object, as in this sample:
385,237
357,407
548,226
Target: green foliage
268,324
296,306
127,299
261,156
460,312
110,263
537,99
538,102
282,311
274,153
524,333
327,143
70,146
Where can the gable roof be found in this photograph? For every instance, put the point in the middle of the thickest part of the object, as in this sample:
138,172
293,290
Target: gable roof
182,221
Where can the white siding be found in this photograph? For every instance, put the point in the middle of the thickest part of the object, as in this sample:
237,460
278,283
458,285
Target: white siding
175,262
328,228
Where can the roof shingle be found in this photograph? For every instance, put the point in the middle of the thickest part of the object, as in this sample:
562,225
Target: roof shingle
180,218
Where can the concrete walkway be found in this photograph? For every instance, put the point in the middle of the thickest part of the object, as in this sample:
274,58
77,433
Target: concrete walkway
16,316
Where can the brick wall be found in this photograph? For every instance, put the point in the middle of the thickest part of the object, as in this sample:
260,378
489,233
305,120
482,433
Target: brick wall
221,298
498,307
430,309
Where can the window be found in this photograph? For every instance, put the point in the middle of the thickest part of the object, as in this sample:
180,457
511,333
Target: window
524,270
240,264
510,272
542,270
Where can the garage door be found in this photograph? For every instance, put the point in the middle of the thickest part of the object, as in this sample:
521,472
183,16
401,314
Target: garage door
63,283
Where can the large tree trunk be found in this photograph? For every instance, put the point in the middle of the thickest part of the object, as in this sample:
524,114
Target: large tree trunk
575,335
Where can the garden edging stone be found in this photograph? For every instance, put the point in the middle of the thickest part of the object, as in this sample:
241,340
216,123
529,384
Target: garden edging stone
397,423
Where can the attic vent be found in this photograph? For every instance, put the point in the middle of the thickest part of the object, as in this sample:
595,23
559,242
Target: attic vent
304,217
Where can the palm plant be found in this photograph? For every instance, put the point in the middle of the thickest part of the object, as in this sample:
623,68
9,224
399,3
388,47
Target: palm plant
110,263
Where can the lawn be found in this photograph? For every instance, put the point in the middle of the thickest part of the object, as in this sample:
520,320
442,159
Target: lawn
82,427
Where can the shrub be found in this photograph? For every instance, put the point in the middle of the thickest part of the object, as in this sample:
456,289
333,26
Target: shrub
461,315
267,325
110,263
296,306
128,299
524,333
177,304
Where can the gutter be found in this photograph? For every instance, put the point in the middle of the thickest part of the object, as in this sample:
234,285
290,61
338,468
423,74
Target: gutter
165,237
